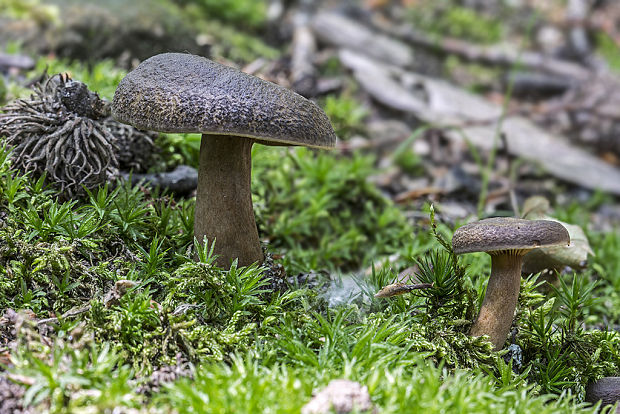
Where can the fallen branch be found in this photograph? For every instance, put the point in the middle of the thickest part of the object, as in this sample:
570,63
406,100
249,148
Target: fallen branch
182,180
16,61
396,289
303,72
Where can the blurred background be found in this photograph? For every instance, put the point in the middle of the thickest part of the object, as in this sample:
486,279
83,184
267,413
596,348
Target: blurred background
366,63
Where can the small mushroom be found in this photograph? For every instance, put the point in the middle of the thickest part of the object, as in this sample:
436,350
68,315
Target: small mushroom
506,240
176,92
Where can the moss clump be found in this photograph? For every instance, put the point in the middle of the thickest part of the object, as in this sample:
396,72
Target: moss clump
321,211
560,352
608,49
233,43
240,13
345,113
35,10
46,276
451,20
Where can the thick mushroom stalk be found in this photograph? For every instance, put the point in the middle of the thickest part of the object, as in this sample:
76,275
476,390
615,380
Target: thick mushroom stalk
224,177
500,300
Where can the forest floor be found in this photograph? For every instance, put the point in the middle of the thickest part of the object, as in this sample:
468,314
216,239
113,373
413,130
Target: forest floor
446,112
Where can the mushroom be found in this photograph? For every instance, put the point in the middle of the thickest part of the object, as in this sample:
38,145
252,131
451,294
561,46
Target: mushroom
506,240
176,92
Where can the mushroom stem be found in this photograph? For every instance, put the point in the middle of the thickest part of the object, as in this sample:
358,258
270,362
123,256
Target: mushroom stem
500,300
224,200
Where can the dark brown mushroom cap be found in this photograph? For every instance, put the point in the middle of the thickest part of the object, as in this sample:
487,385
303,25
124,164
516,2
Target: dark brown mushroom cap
507,233
606,389
176,92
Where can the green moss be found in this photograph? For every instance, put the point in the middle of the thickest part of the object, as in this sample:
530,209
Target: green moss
603,266
559,352
29,9
321,211
69,377
447,19
411,386
234,43
241,13
229,28
609,50
345,113
177,149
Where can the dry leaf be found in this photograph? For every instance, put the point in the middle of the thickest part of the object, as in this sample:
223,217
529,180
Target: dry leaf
575,255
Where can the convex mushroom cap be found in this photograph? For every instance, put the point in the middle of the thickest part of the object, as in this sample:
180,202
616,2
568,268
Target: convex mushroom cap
175,92
507,240
606,390
507,233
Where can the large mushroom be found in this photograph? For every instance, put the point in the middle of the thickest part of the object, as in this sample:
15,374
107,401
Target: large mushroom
176,92
506,240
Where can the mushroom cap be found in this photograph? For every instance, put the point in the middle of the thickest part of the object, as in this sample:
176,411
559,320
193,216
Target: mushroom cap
507,233
177,92
606,389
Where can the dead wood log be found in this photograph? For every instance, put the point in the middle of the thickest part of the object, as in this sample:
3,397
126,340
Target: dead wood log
577,12
182,180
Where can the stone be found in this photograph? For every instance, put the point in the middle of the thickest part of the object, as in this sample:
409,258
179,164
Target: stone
340,396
